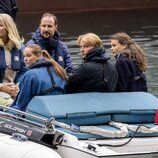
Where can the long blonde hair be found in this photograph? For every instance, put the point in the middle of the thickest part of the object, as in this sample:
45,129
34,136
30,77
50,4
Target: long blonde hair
36,50
13,35
136,52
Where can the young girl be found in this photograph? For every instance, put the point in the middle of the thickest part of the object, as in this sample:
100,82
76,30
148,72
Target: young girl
44,77
130,63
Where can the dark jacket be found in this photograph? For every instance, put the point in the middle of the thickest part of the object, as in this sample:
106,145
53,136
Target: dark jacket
55,47
38,81
17,64
130,77
95,74
9,7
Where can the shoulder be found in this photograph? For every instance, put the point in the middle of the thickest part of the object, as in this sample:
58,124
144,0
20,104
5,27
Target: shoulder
86,67
22,48
62,45
31,41
110,64
32,77
122,60
30,74
122,57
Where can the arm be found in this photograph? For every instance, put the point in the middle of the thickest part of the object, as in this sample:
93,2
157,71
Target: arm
124,72
67,58
23,68
76,79
28,88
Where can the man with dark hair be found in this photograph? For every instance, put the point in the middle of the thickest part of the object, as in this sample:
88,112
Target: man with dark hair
9,7
48,38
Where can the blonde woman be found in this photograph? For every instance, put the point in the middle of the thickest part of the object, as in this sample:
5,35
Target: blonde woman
130,63
44,77
12,66
96,73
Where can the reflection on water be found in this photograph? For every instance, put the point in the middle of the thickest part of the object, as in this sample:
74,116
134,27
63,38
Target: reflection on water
141,25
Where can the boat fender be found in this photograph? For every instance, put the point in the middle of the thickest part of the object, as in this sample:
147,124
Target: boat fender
19,137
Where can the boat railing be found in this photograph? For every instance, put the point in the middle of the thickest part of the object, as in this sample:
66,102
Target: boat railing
15,114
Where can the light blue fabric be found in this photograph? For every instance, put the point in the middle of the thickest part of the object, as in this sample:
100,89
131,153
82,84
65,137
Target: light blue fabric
112,129
96,108
34,82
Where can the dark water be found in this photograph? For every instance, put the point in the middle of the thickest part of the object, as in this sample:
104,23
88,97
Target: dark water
141,25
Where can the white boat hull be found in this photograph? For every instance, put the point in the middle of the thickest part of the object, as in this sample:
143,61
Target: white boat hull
12,148
138,147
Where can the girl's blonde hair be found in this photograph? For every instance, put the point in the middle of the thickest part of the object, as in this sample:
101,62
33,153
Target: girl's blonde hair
36,50
90,39
13,35
136,52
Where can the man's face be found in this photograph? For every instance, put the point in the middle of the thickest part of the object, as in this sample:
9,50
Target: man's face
47,27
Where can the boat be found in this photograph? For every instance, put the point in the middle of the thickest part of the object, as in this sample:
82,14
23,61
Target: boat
16,146
87,125
58,6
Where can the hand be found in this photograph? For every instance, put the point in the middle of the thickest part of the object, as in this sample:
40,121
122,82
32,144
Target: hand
14,90
10,88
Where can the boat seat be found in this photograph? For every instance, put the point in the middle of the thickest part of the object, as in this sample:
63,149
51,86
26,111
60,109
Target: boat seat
96,108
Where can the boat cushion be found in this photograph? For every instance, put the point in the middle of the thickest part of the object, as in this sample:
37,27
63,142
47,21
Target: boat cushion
81,135
96,108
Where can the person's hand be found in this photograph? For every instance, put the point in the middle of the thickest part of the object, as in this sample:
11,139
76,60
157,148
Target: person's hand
10,88
14,90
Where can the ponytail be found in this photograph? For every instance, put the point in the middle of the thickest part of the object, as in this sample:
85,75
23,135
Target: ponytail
58,69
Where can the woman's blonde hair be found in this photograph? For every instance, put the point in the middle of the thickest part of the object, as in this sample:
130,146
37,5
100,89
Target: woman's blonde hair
36,50
13,35
136,52
90,39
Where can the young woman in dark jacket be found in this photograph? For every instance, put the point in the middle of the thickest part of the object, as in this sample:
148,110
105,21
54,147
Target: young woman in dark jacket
130,63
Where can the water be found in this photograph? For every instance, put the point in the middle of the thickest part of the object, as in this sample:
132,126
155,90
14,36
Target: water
141,25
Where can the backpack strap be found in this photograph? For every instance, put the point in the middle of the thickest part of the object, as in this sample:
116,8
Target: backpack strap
135,78
54,86
139,76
